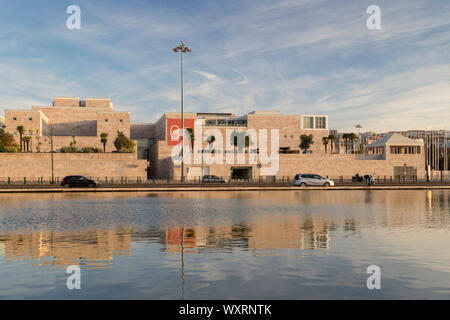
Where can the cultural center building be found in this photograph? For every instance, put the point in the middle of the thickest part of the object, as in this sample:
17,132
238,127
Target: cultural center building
255,145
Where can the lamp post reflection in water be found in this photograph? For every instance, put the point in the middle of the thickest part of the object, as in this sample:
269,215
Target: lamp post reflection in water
182,263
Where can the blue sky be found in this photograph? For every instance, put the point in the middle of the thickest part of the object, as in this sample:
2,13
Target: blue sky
296,56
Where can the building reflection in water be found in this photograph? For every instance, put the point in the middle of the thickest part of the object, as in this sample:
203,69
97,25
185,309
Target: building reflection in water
89,248
287,233
293,220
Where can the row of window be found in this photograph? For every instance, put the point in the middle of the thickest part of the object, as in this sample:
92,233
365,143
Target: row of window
314,122
405,150
106,120
30,118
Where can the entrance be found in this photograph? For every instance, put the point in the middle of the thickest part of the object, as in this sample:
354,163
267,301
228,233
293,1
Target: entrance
241,173
405,172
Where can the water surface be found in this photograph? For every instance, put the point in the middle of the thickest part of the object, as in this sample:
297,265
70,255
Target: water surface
226,245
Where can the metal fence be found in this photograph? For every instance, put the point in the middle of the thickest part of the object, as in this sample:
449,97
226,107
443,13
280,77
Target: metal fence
443,177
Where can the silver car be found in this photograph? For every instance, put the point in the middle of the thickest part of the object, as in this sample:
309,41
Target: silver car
315,180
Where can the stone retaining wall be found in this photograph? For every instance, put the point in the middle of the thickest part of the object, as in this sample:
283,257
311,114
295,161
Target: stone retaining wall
95,165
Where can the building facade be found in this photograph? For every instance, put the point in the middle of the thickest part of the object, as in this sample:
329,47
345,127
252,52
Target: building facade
226,136
70,122
69,119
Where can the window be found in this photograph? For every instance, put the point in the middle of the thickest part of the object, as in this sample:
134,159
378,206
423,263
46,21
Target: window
31,119
106,120
308,122
121,120
15,118
321,123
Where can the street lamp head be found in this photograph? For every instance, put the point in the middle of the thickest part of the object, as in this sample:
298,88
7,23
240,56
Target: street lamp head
182,48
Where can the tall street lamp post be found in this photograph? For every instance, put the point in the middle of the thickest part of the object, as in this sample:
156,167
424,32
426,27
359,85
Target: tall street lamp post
182,49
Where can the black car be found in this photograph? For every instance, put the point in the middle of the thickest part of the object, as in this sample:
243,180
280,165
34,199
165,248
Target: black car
213,179
78,181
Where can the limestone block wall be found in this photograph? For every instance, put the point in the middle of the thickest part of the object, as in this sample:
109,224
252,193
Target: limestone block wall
31,120
331,165
66,102
289,130
98,103
346,165
142,130
95,165
110,123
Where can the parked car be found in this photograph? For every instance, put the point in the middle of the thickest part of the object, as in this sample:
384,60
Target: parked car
304,180
78,181
213,179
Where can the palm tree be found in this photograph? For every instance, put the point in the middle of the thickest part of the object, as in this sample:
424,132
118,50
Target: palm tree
104,140
21,131
26,141
211,140
345,136
247,141
352,137
325,142
191,135
74,142
38,139
331,138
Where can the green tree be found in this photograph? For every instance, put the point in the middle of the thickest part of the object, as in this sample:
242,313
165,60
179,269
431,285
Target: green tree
26,142
7,142
305,142
332,138
21,131
211,140
73,143
123,143
325,141
352,137
39,143
104,140
191,136
346,136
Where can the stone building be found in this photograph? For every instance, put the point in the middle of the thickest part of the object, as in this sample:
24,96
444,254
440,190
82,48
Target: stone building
70,120
215,142
85,120
256,145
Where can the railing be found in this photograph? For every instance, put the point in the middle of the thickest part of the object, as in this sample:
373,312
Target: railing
283,180
225,123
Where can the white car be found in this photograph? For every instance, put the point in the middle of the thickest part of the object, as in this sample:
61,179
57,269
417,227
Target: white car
304,180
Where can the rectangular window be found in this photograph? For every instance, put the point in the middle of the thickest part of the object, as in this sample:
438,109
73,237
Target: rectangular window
321,122
308,122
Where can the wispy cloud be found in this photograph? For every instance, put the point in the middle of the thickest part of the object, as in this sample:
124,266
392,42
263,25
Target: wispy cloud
297,56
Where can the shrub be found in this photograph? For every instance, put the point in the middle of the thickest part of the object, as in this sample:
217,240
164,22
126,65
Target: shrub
98,150
7,140
123,143
9,149
68,150
87,150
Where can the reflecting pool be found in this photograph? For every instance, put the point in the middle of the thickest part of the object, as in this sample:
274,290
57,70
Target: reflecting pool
226,245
